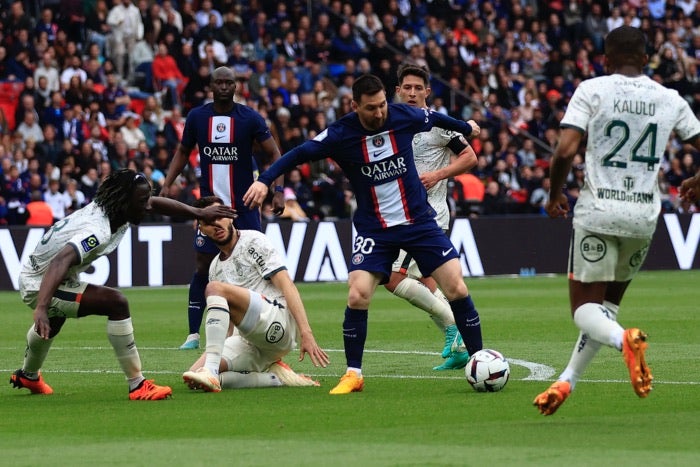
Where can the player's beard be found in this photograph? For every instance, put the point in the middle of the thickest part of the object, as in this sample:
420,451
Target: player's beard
228,237
374,124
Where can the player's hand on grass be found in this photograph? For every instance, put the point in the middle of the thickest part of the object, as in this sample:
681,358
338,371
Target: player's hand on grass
309,346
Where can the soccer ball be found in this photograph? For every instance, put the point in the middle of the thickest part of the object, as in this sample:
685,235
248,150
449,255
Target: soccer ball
487,371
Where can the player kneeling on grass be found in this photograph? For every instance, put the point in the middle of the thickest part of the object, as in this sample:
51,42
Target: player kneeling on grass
50,285
254,315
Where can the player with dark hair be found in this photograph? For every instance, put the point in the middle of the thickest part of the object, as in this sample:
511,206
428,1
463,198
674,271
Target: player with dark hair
629,119
432,151
373,145
255,315
225,133
49,281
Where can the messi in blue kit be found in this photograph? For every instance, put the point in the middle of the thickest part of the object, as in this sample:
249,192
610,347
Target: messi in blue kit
224,132
373,145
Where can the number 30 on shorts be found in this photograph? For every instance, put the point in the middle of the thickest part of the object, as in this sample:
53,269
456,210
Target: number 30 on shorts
363,245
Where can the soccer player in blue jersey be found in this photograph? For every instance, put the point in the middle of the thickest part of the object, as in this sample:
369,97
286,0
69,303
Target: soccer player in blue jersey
224,133
373,145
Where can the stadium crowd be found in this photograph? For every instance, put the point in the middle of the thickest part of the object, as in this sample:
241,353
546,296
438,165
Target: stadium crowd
90,86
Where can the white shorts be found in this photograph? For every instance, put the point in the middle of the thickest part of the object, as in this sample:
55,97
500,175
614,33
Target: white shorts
65,301
272,337
406,265
595,257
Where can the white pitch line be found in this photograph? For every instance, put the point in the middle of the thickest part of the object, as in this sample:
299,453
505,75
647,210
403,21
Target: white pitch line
538,371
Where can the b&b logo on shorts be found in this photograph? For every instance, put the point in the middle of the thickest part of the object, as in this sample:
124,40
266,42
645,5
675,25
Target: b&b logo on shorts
274,333
90,243
593,248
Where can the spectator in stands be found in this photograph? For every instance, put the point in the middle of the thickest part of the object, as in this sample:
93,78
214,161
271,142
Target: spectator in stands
168,76
301,190
126,25
345,46
30,129
48,69
50,148
39,211
16,20
27,104
115,92
96,27
75,196
73,68
130,131
57,200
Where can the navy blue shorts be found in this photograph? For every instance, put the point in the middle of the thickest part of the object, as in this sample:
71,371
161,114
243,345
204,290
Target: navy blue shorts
375,251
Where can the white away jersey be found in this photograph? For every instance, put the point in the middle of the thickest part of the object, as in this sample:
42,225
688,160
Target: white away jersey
87,230
431,153
629,121
255,261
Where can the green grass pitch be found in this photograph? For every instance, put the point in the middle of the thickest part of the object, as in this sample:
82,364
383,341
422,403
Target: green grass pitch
408,415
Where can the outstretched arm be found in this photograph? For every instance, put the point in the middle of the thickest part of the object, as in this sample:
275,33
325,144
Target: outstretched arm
171,207
308,344
310,150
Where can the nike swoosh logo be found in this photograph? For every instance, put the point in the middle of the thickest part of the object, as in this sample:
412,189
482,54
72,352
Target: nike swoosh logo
220,137
377,154
447,252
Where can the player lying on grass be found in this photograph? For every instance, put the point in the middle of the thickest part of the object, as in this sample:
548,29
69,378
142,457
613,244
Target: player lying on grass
254,314
50,285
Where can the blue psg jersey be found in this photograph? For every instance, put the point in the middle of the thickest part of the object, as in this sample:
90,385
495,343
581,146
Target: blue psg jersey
379,164
225,144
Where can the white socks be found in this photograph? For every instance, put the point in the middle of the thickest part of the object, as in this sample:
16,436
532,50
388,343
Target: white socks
121,336
216,328
584,351
236,380
600,324
420,296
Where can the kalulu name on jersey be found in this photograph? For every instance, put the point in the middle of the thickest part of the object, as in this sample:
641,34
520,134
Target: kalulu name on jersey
634,107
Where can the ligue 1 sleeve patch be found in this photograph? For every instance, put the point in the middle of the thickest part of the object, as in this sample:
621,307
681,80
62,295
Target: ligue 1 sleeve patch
90,243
